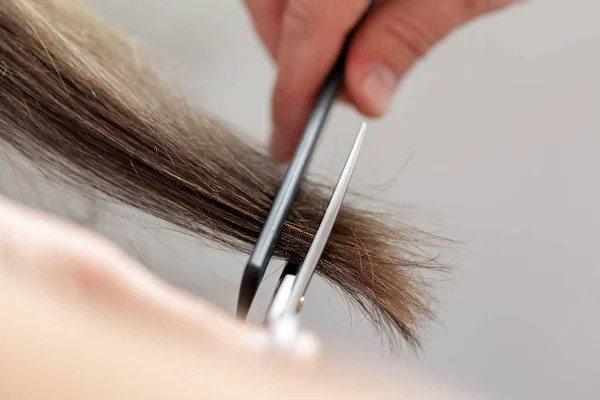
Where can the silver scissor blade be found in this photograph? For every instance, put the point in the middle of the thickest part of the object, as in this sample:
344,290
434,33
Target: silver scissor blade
307,269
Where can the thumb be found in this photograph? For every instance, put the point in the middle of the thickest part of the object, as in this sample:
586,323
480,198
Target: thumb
394,37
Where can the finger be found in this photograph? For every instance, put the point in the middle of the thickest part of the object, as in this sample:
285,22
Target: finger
267,17
394,37
312,35
75,263
166,305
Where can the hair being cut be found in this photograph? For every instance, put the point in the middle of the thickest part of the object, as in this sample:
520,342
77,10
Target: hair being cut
78,99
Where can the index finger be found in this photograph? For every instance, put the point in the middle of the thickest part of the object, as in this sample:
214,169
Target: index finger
75,263
312,35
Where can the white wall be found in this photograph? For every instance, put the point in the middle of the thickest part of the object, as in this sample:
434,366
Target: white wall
503,119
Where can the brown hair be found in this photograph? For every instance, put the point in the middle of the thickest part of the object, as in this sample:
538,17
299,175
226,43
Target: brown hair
77,98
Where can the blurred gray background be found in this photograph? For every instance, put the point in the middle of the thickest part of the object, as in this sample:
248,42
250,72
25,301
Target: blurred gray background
500,126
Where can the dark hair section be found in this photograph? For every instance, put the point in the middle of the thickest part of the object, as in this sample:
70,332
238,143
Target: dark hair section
79,100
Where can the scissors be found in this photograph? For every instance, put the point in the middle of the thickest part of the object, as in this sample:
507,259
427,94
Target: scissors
269,235
289,293
288,298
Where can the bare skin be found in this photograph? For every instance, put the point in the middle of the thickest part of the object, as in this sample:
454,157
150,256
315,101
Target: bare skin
80,319
80,265
304,37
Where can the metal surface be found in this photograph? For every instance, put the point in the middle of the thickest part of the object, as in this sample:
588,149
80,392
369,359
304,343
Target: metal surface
316,249
289,293
269,235
265,245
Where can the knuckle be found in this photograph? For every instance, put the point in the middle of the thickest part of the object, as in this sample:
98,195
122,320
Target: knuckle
87,261
408,31
301,18
93,271
92,279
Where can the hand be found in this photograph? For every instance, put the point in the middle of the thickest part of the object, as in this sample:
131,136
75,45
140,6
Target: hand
305,38
82,320
75,264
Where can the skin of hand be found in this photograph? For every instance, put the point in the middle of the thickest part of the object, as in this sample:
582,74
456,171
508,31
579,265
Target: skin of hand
80,319
54,348
77,264
305,38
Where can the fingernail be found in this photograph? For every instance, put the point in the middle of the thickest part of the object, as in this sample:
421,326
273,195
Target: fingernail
379,86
